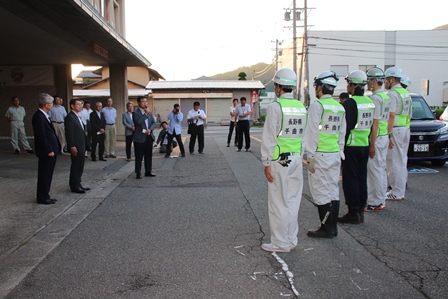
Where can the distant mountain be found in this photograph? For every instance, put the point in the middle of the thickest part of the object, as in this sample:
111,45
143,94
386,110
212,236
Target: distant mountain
263,72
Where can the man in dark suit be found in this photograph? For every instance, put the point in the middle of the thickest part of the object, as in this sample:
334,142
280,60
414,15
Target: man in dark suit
98,126
76,144
143,137
47,147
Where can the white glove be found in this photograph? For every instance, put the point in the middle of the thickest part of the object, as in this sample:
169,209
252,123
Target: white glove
341,154
310,165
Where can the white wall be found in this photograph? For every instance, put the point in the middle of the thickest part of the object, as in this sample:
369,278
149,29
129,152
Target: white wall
422,54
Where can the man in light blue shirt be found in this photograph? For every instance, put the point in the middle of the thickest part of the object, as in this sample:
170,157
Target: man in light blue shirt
57,115
111,131
175,118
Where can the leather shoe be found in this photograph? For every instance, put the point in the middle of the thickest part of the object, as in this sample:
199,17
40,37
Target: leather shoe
53,199
102,159
138,176
150,174
94,160
79,190
85,188
46,201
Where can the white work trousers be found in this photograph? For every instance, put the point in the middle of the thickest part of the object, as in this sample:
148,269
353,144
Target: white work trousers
397,159
18,131
324,182
377,174
284,196
111,138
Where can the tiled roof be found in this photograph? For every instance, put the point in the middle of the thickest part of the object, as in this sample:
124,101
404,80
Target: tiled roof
208,84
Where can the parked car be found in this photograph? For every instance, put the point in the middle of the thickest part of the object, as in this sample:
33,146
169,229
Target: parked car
429,136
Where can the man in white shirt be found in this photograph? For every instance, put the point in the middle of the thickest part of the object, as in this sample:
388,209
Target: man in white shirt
15,116
197,117
232,111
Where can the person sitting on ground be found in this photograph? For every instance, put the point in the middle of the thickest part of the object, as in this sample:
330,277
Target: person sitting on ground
162,139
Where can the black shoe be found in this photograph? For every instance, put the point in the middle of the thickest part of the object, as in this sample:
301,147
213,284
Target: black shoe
94,160
85,188
106,156
150,174
46,201
201,153
53,199
351,217
102,159
167,156
17,152
78,190
247,149
138,176
183,155
112,156
228,144
30,151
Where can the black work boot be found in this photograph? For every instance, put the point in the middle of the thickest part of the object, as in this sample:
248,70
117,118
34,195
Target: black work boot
334,216
324,231
361,214
351,217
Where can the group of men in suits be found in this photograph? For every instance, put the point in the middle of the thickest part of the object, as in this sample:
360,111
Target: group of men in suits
48,147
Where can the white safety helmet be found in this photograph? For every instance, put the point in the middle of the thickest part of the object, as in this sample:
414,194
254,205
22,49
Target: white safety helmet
376,73
357,77
405,80
285,77
393,71
327,78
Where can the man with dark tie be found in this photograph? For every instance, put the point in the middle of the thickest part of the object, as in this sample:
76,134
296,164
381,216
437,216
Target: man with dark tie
98,127
76,145
47,148
143,137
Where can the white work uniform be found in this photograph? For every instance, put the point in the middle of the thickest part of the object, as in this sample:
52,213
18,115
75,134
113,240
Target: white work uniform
16,116
324,182
397,157
285,192
376,166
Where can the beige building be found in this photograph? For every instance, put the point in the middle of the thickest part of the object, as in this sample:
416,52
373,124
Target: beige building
215,97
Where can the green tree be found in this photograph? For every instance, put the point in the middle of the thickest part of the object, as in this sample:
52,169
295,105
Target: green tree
242,76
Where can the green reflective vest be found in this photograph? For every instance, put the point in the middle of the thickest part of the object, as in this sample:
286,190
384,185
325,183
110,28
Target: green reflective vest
385,110
294,116
330,125
359,135
402,118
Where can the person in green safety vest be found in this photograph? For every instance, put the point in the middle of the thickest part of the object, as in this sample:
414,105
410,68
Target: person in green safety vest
323,146
379,141
399,133
281,154
359,116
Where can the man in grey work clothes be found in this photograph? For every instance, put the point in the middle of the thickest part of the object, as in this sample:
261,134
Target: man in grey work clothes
57,115
15,115
111,131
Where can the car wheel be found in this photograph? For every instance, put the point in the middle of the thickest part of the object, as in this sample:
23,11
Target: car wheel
438,162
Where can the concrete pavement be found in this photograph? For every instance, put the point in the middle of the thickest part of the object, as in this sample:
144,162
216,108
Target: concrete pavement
194,231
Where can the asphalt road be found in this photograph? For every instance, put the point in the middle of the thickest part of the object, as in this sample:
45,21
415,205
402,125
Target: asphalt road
194,232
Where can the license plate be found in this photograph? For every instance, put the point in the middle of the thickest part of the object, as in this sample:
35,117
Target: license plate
421,147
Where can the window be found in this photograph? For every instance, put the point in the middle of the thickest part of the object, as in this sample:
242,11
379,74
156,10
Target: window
340,70
364,68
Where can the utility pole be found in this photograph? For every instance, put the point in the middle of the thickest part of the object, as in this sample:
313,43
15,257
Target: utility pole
277,43
306,84
294,47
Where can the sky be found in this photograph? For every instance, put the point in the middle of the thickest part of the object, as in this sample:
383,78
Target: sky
184,40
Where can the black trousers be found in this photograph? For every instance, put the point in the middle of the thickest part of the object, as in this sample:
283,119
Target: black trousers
354,175
76,170
229,137
45,168
143,149
199,133
179,142
97,140
128,145
243,128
